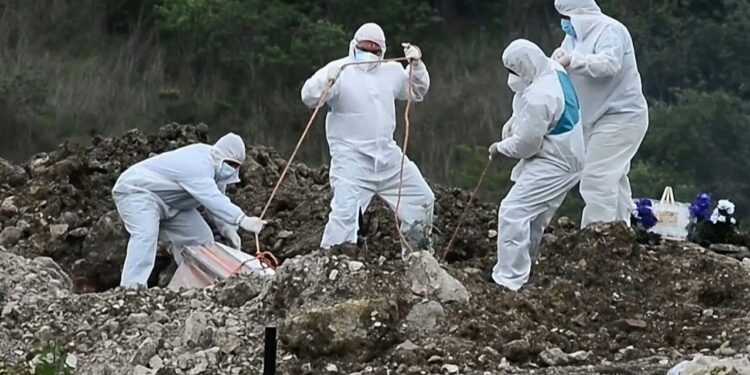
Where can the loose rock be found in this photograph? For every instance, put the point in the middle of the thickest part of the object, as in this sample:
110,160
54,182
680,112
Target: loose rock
428,279
423,319
554,357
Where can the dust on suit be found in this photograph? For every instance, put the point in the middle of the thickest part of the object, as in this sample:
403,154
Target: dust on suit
547,136
158,198
365,159
602,65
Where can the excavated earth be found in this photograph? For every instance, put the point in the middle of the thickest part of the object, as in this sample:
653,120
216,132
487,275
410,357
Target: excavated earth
597,303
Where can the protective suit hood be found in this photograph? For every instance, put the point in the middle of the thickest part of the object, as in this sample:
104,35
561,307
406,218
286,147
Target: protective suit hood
585,15
526,59
371,32
229,147
577,7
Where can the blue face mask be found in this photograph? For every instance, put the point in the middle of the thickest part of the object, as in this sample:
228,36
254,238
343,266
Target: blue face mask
365,56
567,27
225,172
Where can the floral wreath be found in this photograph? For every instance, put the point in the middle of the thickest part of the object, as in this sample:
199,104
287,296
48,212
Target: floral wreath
707,225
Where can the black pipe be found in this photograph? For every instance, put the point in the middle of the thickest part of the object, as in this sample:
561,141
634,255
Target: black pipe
269,352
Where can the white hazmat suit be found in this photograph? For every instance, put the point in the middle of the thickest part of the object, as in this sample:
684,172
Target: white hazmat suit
601,62
547,136
365,159
158,198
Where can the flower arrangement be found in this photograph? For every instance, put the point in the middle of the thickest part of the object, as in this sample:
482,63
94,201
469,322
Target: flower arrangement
642,219
709,226
700,210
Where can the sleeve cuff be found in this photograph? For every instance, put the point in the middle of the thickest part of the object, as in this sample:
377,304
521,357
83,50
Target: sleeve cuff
577,60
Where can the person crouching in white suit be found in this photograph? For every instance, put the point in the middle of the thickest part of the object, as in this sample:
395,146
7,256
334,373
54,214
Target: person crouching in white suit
365,159
545,132
158,198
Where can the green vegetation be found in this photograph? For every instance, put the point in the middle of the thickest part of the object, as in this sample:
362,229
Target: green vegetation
73,69
49,359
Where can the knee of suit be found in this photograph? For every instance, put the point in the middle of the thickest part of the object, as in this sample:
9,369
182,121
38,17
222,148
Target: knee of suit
193,241
345,209
138,229
600,175
512,221
430,198
593,190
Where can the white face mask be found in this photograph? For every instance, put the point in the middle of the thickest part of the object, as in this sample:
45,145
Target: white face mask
226,172
360,55
516,83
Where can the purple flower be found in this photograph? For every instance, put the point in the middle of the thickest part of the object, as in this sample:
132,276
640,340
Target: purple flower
700,210
648,220
643,202
644,214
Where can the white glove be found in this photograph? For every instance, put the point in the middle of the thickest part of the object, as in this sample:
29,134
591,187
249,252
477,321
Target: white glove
494,153
233,237
508,127
333,73
561,57
252,224
413,53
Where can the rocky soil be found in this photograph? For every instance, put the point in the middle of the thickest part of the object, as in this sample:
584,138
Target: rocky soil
597,303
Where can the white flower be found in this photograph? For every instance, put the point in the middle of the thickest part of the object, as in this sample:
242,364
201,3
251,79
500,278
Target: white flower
722,219
715,216
726,205
733,221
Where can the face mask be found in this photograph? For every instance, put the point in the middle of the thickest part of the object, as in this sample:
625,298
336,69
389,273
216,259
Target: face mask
567,27
516,83
360,55
226,172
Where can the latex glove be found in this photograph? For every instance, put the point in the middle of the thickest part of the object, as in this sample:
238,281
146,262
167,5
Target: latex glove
494,153
413,53
252,224
561,57
508,128
233,237
333,73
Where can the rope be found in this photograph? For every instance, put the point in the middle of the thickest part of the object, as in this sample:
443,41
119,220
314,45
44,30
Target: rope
266,258
404,242
463,214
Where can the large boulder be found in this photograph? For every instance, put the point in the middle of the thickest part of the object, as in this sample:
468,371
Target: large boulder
104,250
428,279
23,279
360,329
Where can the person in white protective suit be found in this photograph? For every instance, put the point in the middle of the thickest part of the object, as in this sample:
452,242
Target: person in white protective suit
545,132
598,54
365,159
158,198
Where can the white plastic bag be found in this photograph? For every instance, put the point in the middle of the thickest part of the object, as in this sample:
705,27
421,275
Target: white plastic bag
673,217
204,265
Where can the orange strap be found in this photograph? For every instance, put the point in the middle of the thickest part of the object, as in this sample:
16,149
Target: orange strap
463,214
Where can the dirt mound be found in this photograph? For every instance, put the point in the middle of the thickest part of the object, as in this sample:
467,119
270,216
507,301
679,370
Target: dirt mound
626,309
59,205
598,291
598,301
